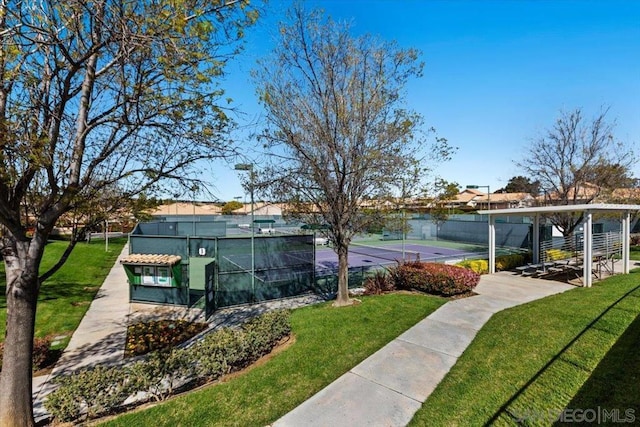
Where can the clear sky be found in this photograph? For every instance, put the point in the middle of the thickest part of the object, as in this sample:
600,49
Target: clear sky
497,73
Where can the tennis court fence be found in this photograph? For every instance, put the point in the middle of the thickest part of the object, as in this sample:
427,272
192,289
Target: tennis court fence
278,267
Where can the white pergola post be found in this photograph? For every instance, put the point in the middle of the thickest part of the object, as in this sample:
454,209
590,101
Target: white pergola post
536,239
626,230
492,244
588,249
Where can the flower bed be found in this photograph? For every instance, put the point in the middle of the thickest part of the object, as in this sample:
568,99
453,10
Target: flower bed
145,337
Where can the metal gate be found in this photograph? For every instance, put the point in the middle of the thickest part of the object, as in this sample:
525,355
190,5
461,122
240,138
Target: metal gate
209,289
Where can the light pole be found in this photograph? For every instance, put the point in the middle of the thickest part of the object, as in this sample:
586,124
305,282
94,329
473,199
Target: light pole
248,167
475,187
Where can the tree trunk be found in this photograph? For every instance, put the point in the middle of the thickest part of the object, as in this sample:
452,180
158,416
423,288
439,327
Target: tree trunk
16,406
342,298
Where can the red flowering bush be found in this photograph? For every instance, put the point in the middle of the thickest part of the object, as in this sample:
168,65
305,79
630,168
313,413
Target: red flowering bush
433,278
379,283
143,338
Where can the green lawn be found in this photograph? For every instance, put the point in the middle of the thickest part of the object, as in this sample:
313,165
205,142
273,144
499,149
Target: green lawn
66,296
577,350
329,342
573,351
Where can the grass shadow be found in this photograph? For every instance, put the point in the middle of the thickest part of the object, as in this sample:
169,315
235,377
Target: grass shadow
53,291
509,410
614,385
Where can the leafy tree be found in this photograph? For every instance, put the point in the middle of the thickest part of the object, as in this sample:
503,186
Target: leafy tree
338,126
574,155
521,184
229,207
99,102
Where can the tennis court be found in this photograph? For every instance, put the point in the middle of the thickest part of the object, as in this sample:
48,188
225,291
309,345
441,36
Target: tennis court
361,255
266,263
263,268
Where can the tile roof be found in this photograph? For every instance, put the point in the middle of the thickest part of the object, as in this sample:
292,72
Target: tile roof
186,208
151,259
504,197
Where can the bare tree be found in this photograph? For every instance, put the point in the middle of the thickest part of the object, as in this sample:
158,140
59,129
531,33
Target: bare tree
97,95
444,192
339,131
575,161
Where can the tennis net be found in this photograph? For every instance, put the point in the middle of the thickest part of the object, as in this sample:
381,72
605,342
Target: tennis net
389,254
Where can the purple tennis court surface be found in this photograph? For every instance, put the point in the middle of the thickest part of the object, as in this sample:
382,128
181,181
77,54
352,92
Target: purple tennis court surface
367,256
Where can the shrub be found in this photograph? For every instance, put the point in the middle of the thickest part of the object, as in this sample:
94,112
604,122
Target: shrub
437,279
509,262
262,333
100,390
92,391
40,353
145,337
480,266
503,262
379,283
230,349
220,352
162,371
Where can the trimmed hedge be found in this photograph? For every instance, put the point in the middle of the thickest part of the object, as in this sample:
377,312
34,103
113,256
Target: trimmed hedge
503,262
509,262
94,392
480,266
437,279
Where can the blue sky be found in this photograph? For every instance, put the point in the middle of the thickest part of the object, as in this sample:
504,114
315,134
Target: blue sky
497,73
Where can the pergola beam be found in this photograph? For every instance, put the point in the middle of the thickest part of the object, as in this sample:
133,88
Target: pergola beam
587,209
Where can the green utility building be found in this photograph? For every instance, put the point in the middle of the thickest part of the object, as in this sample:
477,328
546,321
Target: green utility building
195,263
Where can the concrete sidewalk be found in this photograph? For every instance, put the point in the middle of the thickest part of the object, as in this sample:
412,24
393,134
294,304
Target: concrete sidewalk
100,337
388,388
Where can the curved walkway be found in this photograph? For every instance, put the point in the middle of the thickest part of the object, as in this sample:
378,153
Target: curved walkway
388,388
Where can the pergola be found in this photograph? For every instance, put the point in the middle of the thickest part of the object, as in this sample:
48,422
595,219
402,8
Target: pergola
588,209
